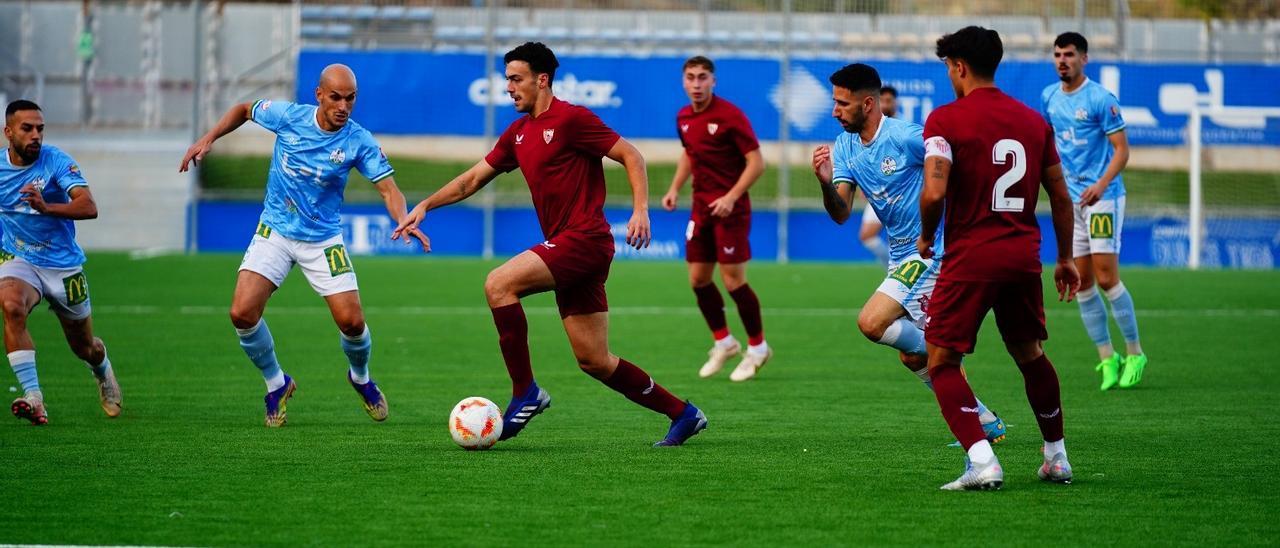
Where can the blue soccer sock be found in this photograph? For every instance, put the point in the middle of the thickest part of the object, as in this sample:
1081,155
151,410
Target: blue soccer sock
877,247
904,336
1122,309
261,349
23,363
1094,314
357,349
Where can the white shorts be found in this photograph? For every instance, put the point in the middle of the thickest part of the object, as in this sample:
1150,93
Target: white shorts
326,264
869,216
910,282
1097,227
66,289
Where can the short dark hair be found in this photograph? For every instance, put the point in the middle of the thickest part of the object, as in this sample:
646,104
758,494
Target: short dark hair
856,77
540,58
19,105
980,48
699,61
890,90
1072,38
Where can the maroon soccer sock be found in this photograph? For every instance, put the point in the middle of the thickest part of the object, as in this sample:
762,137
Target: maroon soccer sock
513,338
712,306
1043,393
959,407
639,387
749,311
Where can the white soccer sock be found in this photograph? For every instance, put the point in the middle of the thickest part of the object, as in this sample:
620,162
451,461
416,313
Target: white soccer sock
759,349
1052,448
981,453
727,342
274,383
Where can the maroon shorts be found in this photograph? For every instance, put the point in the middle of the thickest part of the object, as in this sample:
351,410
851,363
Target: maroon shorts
957,309
723,240
580,265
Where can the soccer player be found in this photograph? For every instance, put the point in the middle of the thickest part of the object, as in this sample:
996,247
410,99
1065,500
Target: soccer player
1091,140
869,232
884,157
316,147
42,194
558,147
722,153
986,155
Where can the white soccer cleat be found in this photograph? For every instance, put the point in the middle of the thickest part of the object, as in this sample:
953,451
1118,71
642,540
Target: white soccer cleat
109,394
716,358
1056,470
984,477
751,364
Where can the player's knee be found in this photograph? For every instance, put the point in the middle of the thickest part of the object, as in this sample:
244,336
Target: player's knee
871,327
496,288
595,366
1023,351
1106,280
15,312
351,325
244,318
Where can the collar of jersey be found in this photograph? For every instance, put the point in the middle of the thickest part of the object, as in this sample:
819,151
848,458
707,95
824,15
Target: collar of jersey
315,110
9,162
879,128
1077,90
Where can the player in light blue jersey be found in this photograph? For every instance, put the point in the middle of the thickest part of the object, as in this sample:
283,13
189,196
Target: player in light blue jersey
316,147
42,193
884,157
1091,141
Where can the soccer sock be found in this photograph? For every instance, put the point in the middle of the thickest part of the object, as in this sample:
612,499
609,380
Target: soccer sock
905,336
985,415
1122,309
1052,448
749,311
100,370
712,306
877,247
959,407
23,363
1043,394
261,349
513,339
638,386
1094,313
923,373
357,349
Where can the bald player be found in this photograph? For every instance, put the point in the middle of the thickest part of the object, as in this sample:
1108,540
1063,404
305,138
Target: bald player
316,148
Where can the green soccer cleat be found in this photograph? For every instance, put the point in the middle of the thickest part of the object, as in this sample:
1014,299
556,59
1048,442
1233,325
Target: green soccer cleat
1110,369
1133,366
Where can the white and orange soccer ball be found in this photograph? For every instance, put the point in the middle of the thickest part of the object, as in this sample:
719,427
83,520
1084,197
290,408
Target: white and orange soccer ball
475,423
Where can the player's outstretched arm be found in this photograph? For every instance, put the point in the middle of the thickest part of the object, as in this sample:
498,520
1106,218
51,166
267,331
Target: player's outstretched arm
723,206
394,200
1094,192
460,188
639,233
235,117
682,176
838,200
1065,276
937,172
80,207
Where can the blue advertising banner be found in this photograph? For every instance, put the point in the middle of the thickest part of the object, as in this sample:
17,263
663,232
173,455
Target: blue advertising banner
425,93
459,230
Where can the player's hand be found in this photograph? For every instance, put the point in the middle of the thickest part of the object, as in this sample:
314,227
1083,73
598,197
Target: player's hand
195,154
408,228
1092,194
669,200
32,197
1067,280
638,232
722,206
822,163
925,247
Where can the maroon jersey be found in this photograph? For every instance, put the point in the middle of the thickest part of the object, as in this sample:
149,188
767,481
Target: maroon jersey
998,149
717,141
559,154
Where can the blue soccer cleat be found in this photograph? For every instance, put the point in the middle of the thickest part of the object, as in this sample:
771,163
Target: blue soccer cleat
690,422
375,404
521,410
276,401
995,431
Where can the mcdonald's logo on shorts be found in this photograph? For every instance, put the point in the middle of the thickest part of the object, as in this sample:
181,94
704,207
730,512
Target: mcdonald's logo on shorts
5,256
1102,225
339,261
263,230
77,288
909,272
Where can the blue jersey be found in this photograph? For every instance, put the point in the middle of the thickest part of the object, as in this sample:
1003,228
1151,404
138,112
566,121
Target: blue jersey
890,172
1082,121
309,169
42,240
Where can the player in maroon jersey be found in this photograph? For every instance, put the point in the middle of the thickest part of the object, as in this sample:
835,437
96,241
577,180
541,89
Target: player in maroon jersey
558,147
987,155
722,153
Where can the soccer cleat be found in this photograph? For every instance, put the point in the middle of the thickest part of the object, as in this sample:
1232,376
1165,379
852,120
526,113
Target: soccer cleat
1133,366
988,477
751,364
690,422
994,430
276,401
31,407
1110,369
522,410
716,358
375,404
1056,470
109,394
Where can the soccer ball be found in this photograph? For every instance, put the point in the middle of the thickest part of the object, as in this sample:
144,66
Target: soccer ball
475,423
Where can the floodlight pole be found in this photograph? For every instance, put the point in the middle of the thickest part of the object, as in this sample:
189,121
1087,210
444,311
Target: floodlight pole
1195,221
487,200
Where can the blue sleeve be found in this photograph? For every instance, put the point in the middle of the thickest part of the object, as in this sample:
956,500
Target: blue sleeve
1044,103
269,114
1108,113
915,144
372,163
68,175
839,164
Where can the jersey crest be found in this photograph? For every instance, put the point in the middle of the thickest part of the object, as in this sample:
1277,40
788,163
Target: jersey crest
548,134
337,157
888,166
711,128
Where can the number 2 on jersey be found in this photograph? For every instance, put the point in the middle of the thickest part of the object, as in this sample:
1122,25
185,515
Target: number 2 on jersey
999,155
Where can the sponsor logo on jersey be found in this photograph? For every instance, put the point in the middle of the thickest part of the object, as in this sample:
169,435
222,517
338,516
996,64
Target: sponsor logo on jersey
1081,114
77,288
339,261
909,272
74,168
548,134
888,165
263,106
1115,111
519,138
711,128
1102,225
548,245
684,128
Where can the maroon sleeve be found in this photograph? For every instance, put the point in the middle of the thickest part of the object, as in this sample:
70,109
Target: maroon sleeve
591,135
933,126
744,138
503,156
1050,155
